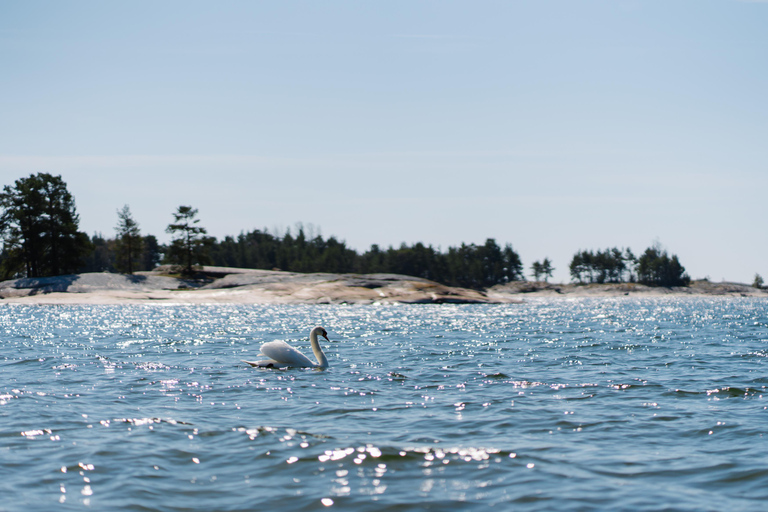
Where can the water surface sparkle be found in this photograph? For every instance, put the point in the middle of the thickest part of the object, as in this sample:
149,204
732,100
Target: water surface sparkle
586,404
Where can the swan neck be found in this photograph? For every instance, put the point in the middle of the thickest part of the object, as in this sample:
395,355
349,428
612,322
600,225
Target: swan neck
322,361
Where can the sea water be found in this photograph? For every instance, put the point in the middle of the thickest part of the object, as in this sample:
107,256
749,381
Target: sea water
585,404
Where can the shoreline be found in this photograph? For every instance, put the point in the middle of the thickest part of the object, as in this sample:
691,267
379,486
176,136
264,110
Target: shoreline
219,285
699,288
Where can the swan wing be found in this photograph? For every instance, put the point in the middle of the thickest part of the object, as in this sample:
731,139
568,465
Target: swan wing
265,363
285,355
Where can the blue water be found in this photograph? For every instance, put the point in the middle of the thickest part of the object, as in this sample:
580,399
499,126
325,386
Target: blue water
586,404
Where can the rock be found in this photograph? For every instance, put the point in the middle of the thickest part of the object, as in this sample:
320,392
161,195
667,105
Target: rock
221,284
253,286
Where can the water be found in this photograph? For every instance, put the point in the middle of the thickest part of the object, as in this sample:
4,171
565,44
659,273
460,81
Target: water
587,404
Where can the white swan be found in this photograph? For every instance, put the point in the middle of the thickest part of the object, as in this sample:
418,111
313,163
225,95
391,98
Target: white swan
282,355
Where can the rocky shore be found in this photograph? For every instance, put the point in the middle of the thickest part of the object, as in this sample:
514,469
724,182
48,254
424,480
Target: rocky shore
248,286
232,285
696,288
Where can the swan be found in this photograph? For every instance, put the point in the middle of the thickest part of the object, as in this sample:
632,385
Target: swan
282,355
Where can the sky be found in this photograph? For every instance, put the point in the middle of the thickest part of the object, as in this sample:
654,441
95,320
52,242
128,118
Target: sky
552,125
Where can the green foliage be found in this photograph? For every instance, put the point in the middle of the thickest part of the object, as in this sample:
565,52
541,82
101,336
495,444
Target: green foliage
189,246
758,282
542,269
482,266
547,269
39,228
260,249
606,266
468,265
102,256
130,244
536,270
656,268
40,238
152,253
631,262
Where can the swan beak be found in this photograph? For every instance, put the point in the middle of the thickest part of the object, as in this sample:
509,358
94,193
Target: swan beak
326,337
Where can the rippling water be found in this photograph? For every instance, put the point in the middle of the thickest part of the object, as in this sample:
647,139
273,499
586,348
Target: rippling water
609,404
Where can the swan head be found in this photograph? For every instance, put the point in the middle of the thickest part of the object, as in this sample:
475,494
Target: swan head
322,332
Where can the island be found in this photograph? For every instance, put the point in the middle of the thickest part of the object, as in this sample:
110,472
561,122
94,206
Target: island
253,286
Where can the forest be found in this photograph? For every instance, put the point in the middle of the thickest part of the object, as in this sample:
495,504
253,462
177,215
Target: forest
40,233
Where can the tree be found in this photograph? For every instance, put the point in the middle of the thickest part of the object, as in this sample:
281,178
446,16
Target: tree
580,266
151,256
479,267
547,269
101,258
656,268
631,260
513,265
600,266
189,246
130,243
39,227
468,265
536,270
758,282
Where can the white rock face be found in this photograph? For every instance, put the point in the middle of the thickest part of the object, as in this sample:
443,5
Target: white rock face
222,285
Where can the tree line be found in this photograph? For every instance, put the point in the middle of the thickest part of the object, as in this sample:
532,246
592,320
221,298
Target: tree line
655,267
469,265
39,228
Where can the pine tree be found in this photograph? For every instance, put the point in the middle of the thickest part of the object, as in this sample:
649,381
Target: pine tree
39,227
130,243
536,270
189,246
152,255
656,268
546,269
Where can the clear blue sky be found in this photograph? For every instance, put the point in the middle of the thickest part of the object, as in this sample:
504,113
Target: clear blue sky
551,125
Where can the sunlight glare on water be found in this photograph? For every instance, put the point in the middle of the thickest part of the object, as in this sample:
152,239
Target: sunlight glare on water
586,404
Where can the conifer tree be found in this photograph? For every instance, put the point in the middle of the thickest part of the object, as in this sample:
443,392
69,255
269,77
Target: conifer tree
656,268
546,269
130,243
536,270
39,226
188,247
